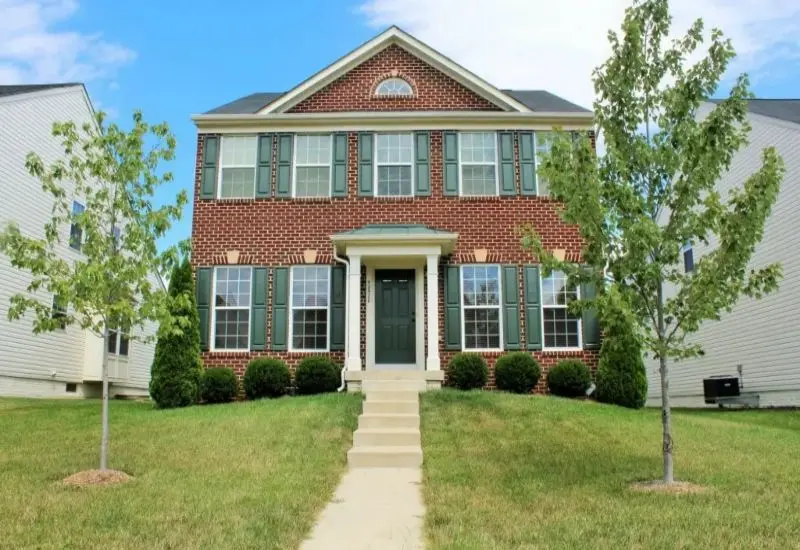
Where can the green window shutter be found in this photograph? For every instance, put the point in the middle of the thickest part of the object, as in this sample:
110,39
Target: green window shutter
338,277
339,176
422,164
264,178
527,163
258,310
452,307
208,179
533,308
204,303
511,332
507,184
280,308
450,156
284,179
365,175
590,322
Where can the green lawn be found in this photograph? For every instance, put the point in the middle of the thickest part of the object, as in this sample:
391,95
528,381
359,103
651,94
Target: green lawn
244,475
506,471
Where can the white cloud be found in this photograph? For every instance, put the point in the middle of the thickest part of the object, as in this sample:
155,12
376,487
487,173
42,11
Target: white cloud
533,44
32,50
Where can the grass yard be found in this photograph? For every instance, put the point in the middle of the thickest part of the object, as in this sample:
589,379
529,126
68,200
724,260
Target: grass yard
244,475
507,471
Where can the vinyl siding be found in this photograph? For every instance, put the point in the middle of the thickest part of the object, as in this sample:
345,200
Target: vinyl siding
761,335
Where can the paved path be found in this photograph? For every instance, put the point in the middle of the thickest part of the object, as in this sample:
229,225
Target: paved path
372,509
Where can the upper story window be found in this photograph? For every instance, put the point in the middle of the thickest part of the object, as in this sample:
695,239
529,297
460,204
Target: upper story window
688,257
394,87
312,165
309,306
58,311
543,142
75,230
561,328
478,163
231,326
480,290
394,160
237,174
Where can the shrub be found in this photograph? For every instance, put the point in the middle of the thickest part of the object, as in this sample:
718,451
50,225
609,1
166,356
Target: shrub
467,371
569,378
219,385
621,376
177,367
316,374
266,378
517,372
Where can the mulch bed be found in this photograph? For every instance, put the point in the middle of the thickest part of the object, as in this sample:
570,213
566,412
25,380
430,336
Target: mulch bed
674,488
96,477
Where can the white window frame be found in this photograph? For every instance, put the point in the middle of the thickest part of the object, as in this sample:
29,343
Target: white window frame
220,166
496,165
394,94
79,248
536,135
541,318
294,166
290,332
499,308
117,335
214,307
376,164
688,247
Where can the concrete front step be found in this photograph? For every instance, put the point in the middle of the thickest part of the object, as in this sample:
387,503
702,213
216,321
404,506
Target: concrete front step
392,437
392,395
393,385
379,421
391,407
385,457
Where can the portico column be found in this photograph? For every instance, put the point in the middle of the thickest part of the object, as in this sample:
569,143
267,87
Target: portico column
353,360
432,361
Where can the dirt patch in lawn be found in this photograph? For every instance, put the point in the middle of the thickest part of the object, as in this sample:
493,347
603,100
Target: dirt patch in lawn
674,488
96,477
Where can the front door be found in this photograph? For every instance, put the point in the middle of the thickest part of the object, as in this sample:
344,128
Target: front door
394,317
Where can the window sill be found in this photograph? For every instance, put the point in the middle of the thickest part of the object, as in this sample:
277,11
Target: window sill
561,350
394,197
483,197
233,351
299,351
490,350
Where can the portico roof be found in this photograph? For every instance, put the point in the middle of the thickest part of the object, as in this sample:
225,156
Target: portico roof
394,235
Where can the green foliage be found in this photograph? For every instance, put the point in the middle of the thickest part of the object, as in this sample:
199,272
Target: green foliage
177,367
517,372
266,377
316,374
467,371
621,377
219,385
569,378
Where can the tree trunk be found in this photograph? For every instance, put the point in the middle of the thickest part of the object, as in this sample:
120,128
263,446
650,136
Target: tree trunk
104,436
666,412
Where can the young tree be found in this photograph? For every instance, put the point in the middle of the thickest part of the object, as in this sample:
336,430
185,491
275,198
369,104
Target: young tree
653,189
115,173
175,375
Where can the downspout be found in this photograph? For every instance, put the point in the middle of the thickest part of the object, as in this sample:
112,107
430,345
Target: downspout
346,315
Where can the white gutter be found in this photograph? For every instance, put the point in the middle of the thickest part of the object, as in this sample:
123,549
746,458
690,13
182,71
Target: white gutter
375,116
346,315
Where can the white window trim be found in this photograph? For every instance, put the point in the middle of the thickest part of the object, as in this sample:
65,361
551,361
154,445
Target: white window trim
394,94
294,167
687,247
212,344
220,167
496,165
541,319
69,235
290,332
118,338
376,164
499,308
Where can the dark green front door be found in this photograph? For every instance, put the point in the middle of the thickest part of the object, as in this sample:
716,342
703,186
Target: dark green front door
394,317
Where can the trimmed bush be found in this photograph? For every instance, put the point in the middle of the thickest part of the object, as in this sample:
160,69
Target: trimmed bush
569,378
621,376
316,374
467,371
517,372
177,367
219,385
266,377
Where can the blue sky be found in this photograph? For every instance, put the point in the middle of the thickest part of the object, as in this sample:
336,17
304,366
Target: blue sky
174,58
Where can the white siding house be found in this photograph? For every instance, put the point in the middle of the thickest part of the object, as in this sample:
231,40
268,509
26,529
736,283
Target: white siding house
63,363
763,336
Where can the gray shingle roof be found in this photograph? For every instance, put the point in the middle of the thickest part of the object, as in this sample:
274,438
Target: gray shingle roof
538,100
17,89
783,109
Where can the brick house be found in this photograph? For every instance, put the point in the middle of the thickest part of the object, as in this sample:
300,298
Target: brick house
371,214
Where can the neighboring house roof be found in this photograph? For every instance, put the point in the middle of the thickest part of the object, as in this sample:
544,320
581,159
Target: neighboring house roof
247,105
18,89
783,109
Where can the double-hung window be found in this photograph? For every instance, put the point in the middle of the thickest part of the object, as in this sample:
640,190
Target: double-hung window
118,342
394,161
478,157
310,297
232,287
237,174
543,141
312,165
75,230
480,291
562,329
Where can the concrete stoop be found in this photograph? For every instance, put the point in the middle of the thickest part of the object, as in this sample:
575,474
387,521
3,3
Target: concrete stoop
388,429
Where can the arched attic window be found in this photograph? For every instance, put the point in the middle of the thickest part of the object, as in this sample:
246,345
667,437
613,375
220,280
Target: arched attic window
394,87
